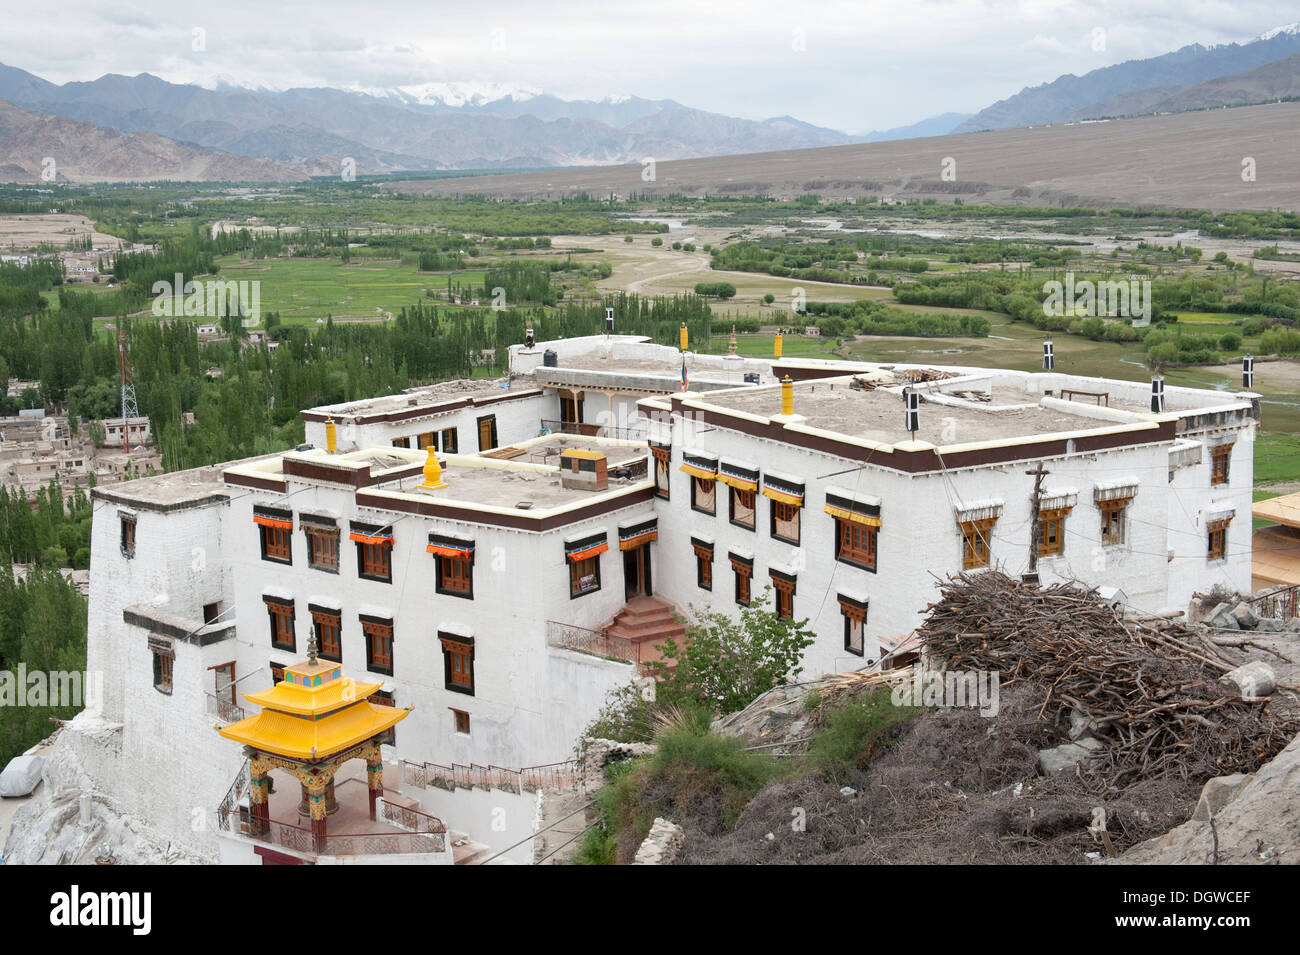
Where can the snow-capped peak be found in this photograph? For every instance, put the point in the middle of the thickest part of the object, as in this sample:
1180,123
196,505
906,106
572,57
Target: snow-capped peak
1291,28
454,95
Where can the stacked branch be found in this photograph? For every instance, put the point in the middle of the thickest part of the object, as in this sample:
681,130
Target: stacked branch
1149,688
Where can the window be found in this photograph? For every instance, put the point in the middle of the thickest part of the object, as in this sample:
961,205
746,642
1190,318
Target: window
385,698
211,612
703,564
128,535
322,546
450,440
855,623
784,585
379,644
785,522
703,493
163,657
401,442
277,672
570,407
458,662
742,508
1221,456
461,720
583,557
374,551
743,567
855,543
282,623
662,484
456,576
428,440
487,432
1051,531
328,624
275,526
1218,543
1112,520
975,543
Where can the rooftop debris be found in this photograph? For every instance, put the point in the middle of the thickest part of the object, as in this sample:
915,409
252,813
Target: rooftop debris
1148,687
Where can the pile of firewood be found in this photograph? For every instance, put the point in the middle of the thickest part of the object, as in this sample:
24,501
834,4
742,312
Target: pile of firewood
1149,688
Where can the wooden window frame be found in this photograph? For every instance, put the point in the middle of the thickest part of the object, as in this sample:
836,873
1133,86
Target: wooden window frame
385,698
973,533
744,574
364,564
478,428
663,478
457,663
575,576
322,619
846,549
1220,464
277,544
126,532
784,595
1052,520
737,495
1112,520
446,446
381,631
164,670
277,671
426,440
777,508
315,534
460,721
854,615
445,583
703,566
696,484
1217,539
283,618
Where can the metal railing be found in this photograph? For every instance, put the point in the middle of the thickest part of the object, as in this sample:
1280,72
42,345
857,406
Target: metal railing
567,636
1280,602
230,804
224,710
592,430
301,839
551,776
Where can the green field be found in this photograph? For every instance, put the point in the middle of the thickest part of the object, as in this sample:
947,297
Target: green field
303,290
1209,318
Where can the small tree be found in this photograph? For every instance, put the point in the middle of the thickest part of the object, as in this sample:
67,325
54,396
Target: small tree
727,663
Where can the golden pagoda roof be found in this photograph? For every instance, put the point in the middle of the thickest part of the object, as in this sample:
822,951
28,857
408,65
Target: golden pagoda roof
313,713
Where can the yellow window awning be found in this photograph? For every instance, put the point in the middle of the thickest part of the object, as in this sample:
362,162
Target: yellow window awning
696,471
845,514
783,496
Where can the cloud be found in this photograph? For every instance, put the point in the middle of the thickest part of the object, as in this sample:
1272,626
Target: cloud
1047,44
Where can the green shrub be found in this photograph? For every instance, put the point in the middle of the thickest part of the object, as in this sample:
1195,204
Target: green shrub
852,734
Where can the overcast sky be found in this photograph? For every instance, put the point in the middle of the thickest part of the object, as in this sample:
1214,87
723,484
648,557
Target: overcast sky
851,66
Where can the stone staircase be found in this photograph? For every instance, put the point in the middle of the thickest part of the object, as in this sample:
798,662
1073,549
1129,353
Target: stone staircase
645,622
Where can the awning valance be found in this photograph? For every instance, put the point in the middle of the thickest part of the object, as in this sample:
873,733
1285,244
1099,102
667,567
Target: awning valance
738,476
694,470
586,547
273,517
662,452
854,516
640,533
378,540
452,547
787,492
852,608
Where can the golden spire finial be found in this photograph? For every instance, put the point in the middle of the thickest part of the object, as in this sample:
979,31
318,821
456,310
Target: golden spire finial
432,471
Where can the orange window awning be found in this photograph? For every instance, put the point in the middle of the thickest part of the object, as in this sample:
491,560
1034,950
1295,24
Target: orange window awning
784,497
586,552
694,470
379,540
266,521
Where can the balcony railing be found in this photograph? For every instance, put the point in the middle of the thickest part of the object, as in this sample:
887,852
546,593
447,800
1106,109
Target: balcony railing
589,429
549,776
431,837
224,710
1280,602
567,636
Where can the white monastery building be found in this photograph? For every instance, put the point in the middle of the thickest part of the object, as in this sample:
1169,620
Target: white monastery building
500,555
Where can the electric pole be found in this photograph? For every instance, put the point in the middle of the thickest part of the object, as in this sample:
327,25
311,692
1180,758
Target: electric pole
1034,530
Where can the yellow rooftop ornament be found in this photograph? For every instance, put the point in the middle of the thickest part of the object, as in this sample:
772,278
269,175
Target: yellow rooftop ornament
731,345
331,435
787,396
432,472
776,345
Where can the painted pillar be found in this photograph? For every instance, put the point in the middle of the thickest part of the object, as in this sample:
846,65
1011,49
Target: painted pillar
316,804
259,784
374,776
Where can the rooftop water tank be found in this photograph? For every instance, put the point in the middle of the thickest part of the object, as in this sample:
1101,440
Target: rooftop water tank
550,359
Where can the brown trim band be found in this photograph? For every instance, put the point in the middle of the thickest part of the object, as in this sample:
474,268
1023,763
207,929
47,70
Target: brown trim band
424,411
520,521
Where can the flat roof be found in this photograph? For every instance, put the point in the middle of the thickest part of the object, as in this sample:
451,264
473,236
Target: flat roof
877,414
1279,510
167,492
426,396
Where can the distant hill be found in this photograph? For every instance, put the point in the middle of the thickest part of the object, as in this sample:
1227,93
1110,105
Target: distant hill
410,128
84,152
940,125
1192,65
1273,81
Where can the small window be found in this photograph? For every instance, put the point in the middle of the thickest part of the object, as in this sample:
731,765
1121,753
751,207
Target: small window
275,544
374,552
785,522
742,508
211,612
975,543
456,576
855,543
855,624
461,721
450,441
329,638
128,535
703,495
379,645
322,547
703,565
1112,520
487,432
1051,532
428,440
385,698
744,572
1220,458
662,483
1218,534
277,672
458,662
282,621
163,657
584,576
784,586
401,442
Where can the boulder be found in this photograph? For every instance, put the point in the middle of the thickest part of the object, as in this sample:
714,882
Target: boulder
1221,618
1245,616
1251,680
1217,793
1293,625
1066,756
1270,625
